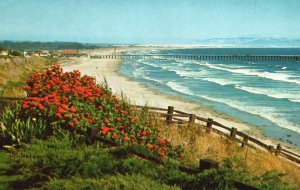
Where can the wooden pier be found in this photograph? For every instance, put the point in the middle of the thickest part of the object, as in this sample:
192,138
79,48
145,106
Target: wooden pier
200,57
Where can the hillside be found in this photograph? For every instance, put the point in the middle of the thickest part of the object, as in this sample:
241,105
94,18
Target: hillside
62,157
28,45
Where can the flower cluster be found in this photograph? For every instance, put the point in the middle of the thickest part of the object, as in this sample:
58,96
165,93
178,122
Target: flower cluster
70,100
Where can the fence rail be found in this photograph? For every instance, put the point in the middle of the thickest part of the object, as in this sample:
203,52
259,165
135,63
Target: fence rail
231,133
200,57
171,115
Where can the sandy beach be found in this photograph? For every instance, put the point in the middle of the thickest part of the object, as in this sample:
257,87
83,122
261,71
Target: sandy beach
139,94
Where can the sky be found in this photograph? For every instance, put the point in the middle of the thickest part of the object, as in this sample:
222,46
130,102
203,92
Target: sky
147,21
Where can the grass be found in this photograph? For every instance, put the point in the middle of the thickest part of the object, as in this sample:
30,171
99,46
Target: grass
6,165
15,72
66,161
198,144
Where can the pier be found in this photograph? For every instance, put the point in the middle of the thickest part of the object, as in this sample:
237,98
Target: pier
200,57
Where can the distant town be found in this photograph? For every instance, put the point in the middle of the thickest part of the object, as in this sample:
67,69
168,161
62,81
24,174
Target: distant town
43,53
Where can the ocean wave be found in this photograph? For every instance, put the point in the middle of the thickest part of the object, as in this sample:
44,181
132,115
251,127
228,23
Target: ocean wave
274,93
283,77
152,79
140,73
189,73
179,88
222,82
269,113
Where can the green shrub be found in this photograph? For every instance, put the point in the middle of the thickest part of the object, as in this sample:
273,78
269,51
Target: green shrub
6,170
62,161
15,130
107,182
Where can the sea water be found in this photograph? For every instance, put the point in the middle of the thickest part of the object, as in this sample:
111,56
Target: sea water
265,94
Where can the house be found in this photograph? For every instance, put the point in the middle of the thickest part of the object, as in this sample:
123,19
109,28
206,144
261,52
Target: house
55,54
41,53
3,51
70,53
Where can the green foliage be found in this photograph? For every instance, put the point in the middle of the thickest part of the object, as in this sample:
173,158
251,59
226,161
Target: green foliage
107,182
49,45
63,161
15,130
15,53
6,179
272,180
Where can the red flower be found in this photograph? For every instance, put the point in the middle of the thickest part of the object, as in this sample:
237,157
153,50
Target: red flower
126,138
161,154
114,136
72,109
60,110
161,141
134,143
104,130
164,148
41,107
149,146
106,121
74,120
25,106
58,115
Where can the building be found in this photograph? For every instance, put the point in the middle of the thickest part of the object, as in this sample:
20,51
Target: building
70,53
41,53
3,51
55,54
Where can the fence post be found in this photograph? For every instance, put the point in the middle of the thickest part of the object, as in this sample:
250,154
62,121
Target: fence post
206,164
92,132
170,114
192,119
278,150
245,141
271,149
209,125
233,133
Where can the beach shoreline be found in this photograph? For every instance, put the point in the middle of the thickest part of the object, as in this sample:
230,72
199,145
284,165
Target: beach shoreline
140,94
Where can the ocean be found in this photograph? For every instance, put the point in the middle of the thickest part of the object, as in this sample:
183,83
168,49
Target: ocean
265,94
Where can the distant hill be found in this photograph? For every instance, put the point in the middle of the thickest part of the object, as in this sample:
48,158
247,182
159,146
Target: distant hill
26,45
251,42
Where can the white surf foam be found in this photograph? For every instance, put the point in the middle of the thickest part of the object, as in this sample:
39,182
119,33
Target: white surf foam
189,73
269,113
266,112
283,77
274,93
222,82
179,88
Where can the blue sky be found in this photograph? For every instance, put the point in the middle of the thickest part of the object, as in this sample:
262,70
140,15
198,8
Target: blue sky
147,21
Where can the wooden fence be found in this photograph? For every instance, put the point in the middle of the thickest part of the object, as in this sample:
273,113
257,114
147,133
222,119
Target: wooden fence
175,116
